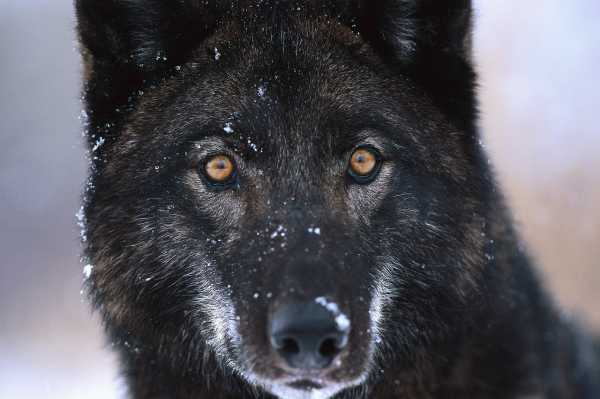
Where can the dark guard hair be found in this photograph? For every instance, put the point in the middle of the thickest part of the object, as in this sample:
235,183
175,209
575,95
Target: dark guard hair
418,263
132,44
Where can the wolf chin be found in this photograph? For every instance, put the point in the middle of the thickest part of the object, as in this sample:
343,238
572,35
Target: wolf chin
289,199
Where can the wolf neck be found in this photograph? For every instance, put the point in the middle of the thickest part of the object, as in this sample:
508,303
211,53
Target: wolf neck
517,326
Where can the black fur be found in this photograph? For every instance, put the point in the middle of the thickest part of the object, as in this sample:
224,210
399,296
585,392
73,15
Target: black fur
288,89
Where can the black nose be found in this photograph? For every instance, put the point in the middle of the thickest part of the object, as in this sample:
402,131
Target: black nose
309,336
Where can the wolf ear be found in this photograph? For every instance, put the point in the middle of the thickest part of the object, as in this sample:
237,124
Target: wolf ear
128,45
409,29
431,41
142,33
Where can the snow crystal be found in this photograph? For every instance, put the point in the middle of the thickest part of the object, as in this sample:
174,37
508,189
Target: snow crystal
83,116
256,295
331,306
217,54
228,128
314,230
80,215
280,231
261,91
341,320
98,144
253,146
87,271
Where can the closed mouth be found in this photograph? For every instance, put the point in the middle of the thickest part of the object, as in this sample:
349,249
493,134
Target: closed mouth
307,384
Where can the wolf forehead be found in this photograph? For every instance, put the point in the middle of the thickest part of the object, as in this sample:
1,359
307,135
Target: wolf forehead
251,98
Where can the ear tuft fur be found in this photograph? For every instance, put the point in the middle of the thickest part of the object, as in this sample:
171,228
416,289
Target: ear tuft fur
146,33
408,29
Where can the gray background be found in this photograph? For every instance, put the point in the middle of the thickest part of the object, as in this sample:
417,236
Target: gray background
540,102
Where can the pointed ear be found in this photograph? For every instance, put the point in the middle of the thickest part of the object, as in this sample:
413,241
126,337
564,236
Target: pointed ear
127,45
409,29
431,41
142,33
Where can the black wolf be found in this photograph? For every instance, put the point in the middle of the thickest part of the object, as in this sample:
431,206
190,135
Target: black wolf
289,199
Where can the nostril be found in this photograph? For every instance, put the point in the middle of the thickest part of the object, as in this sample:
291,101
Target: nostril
289,346
329,348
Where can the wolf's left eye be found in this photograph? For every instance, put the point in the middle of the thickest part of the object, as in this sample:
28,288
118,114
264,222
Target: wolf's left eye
219,169
365,164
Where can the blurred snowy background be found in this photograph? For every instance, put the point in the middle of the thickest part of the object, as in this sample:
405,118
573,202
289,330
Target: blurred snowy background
540,92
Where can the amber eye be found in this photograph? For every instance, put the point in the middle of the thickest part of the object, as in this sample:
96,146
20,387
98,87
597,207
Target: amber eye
364,164
219,169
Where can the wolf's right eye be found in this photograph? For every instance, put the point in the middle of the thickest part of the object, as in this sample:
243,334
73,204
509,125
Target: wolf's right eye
219,169
365,163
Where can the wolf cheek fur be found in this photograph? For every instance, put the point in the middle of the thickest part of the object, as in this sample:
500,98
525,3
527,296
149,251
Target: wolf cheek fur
293,276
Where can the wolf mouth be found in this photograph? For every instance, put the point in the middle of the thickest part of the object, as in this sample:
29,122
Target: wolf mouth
310,386
307,384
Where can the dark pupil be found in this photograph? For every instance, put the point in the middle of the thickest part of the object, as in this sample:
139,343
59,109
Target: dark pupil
361,158
221,164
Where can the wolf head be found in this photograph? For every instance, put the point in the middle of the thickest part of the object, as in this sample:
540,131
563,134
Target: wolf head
291,189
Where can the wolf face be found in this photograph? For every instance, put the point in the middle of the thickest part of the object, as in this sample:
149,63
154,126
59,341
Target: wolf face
284,190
